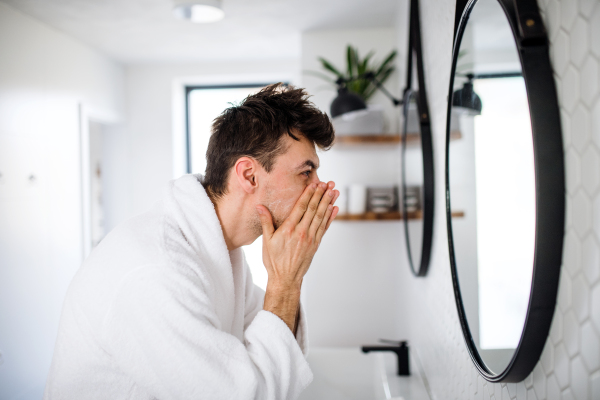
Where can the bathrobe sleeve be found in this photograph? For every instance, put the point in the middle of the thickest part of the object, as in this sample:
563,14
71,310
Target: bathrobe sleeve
255,298
163,333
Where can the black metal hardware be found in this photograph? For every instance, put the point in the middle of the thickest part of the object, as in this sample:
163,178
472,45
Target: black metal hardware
401,350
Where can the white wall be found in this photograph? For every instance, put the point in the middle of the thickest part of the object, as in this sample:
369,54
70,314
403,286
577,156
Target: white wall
570,363
351,292
44,77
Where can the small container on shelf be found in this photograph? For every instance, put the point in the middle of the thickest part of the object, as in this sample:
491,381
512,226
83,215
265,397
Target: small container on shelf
357,199
382,199
412,199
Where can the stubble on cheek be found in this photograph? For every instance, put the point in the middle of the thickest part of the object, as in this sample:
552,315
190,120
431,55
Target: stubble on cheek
281,206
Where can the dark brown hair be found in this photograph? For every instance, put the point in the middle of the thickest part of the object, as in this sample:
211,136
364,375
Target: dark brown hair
255,129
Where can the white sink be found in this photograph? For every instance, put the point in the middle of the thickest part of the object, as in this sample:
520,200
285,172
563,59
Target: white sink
346,373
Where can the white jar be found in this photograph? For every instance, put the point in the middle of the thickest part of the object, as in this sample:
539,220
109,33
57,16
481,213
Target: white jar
357,199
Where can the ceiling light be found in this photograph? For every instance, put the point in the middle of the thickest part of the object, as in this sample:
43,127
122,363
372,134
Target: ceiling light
199,11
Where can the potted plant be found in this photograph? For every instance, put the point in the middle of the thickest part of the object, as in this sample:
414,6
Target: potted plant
353,80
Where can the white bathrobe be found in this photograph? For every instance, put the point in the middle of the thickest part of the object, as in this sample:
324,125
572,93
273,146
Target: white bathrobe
162,310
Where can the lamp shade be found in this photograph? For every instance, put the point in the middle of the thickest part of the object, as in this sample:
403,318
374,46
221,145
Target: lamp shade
467,98
346,102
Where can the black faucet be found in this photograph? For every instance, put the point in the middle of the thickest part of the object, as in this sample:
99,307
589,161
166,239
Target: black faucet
401,350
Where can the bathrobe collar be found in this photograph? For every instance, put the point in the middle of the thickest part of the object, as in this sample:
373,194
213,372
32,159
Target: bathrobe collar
192,225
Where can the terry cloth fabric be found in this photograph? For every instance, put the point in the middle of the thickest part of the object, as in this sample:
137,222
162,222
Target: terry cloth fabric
162,310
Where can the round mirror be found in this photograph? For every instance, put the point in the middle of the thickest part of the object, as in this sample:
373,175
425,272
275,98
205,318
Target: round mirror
417,185
499,245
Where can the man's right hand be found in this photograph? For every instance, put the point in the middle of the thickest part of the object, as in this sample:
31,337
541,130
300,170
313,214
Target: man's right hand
289,250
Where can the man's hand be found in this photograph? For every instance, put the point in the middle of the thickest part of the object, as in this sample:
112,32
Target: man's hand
289,250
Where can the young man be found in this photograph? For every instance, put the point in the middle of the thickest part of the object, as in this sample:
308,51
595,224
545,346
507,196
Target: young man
165,308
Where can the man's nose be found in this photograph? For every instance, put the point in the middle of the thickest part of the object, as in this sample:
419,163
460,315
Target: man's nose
315,178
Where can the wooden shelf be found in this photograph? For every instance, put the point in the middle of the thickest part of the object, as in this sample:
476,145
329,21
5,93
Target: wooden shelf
368,139
390,216
385,139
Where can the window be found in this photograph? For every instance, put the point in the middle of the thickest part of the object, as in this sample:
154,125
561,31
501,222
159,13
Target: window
203,105
503,137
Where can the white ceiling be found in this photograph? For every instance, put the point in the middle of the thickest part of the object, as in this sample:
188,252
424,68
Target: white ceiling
137,31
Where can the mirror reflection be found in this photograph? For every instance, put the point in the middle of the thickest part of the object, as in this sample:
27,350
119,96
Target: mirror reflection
492,180
412,181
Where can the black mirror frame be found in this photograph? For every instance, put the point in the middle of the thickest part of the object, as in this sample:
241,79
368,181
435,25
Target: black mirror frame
414,46
532,42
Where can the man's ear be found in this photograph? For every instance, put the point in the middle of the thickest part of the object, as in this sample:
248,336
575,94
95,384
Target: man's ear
245,170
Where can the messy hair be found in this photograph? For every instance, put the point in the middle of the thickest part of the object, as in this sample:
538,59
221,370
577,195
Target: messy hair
255,128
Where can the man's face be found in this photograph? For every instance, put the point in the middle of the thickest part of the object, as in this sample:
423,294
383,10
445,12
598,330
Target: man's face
293,170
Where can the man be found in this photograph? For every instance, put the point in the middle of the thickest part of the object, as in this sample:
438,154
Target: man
165,308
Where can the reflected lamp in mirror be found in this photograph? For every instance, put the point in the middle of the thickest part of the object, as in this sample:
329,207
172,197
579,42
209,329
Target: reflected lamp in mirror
466,97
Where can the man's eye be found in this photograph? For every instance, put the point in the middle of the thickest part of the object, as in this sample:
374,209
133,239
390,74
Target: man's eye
306,173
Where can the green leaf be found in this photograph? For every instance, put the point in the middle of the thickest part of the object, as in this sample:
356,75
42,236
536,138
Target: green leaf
362,66
350,60
319,75
386,62
328,66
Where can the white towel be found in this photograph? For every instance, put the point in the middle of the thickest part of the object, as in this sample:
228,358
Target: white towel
162,310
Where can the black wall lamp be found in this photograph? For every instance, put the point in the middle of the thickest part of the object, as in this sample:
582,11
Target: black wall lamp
347,101
466,96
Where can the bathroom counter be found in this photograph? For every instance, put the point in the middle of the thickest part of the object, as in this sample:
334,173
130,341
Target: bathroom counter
347,373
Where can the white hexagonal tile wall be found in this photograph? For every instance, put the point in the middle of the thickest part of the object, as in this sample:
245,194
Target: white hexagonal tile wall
571,333
580,127
557,327
582,213
562,369
596,216
547,358
531,394
521,391
595,32
569,90
568,213
568,12
579,36
539,382
567,395
579,377
590,259
595,307
581,295
552,14
590,346
512,389
586,7
559,52
596,122
571,265
572,171
498,390
595,386
564,292
589,80
590,170
552,389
